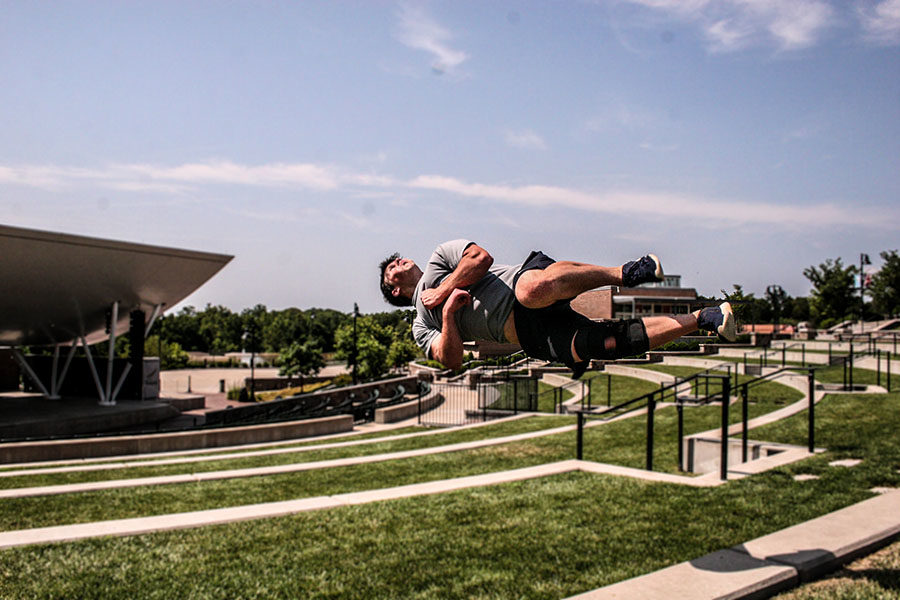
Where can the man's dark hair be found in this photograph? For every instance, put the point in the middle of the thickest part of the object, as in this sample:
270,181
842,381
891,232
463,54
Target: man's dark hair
386,290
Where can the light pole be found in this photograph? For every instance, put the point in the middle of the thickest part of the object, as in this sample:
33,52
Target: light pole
863,261
250,340
776,298
355,346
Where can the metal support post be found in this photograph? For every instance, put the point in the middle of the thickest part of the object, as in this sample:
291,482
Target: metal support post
851,367
65,369
53,383
590,389
888,371
726,400
878,367
783,354
651,407
111,354
680,406
579,438
803,354
745,418
93,367
17,354
608,390
811,379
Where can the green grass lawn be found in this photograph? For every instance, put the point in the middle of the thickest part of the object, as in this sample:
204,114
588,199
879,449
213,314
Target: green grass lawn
615,389
450,436
229,450
620,443
874,576
546,538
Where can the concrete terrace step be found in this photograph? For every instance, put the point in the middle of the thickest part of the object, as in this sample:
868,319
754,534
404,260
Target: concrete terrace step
769,564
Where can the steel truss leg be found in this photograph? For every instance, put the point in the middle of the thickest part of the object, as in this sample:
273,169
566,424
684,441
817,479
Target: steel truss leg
17,354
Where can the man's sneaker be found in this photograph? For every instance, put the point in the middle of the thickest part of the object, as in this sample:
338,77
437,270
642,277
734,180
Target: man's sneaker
719,319
642,270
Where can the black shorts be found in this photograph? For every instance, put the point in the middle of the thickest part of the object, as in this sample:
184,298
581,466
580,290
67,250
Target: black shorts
546,333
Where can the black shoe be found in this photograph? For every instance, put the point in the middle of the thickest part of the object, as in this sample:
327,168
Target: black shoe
718,319
642,270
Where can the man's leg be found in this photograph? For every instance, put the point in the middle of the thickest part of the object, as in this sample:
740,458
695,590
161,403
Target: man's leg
538,288
659,330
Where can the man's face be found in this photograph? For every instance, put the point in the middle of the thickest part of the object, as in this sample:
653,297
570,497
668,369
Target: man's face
399,273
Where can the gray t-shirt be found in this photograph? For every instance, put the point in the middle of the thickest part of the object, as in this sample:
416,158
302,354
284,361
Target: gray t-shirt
481,319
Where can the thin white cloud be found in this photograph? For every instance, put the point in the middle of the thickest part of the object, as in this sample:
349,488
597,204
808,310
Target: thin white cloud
881,23
175,181
731,25
419,31
137,177
659,205
525,139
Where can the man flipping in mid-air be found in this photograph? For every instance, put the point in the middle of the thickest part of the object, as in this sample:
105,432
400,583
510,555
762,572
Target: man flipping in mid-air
463,296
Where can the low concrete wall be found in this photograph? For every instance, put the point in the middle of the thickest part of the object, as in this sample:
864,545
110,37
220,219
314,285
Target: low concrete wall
184,402
704,454
169,442
407,410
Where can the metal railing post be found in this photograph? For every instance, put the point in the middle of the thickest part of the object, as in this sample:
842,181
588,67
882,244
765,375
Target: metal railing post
608,390
845,373
878,367
680,406
783,354
811,378
889,371
726,399
590,390
579,437
803,354
851,367
745,418
651,407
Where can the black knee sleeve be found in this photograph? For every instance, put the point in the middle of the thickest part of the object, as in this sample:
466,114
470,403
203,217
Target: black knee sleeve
630,336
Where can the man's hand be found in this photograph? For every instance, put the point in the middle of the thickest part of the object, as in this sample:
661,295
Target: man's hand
458,298
433,297
472,267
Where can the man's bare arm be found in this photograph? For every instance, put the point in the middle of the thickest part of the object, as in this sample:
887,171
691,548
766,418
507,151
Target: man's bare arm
447,347
472,267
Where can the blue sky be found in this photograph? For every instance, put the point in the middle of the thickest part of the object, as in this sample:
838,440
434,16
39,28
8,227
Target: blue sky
741,140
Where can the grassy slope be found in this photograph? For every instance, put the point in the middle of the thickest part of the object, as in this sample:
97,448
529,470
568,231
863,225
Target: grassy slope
545,538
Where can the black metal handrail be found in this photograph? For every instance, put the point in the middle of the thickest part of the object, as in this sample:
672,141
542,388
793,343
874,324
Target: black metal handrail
723,395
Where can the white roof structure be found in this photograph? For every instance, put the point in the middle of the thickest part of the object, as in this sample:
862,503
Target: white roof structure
56,288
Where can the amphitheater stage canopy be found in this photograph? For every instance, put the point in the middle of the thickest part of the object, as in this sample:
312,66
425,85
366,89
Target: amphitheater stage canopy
56,288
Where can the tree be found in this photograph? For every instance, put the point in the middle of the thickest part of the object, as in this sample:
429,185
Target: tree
171,355
369,345
403,348
284,328
220,329
303,359
885,287
832,298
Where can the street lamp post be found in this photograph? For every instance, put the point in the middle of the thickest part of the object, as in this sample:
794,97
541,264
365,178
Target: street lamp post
776,295
355,346
863,261
250,340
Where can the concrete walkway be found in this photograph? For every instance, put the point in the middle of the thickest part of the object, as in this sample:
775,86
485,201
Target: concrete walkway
772,563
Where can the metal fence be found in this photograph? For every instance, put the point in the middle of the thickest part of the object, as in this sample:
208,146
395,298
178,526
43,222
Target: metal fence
465,403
